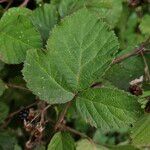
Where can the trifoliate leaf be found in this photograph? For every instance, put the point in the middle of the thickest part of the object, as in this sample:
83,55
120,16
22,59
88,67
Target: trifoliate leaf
107,108
141,132
144,26
44,18
109,10
61,141
78,53
2,87
3,111
17,35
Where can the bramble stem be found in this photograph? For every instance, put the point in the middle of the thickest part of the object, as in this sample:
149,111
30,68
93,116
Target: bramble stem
62,115
136,51
24,3
17,87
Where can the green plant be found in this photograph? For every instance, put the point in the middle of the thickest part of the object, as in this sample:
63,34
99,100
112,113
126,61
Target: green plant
75,75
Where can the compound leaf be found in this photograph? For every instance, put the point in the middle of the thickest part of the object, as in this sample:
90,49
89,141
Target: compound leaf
78,53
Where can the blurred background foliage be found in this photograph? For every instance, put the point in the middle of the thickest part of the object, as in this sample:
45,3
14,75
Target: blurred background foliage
131,22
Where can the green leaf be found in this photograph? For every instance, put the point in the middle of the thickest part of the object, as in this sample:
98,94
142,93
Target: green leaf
2,87
107,108
17,35
112,137
141,132
3,112
78,53
7,141
109,10
1,65
145,94
44,18
123,147
144,26
123,73
84,143
17,147
61,141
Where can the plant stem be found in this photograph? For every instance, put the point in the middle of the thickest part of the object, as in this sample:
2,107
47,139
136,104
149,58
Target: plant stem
136,51
17,87
11,115
62,115
147,72
123,57
64,127
8,5
24,3
2,1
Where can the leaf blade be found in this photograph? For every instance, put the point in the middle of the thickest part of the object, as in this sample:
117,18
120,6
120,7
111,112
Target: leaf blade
17,35
140,133
107,108
61,141
77,55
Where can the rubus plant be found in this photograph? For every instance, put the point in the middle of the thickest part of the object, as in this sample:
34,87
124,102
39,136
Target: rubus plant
75,74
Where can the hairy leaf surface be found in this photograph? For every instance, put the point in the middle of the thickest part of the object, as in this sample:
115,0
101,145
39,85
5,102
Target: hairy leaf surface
78,53
17,35
109,10
141,132
108,108
44,18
